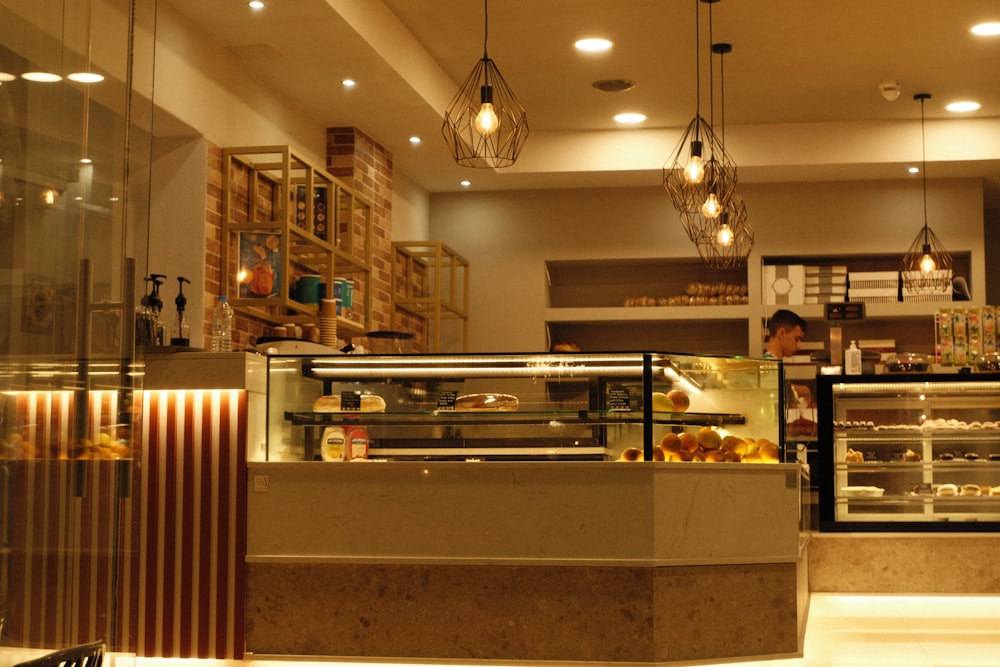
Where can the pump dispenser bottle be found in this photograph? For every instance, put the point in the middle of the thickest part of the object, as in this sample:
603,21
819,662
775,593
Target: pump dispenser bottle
852,360
180,332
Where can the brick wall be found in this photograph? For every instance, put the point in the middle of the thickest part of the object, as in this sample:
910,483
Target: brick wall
358,160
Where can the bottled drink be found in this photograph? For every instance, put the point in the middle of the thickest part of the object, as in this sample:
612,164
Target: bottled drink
222,326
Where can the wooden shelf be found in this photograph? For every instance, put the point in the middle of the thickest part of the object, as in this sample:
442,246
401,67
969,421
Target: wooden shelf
284,217
431,282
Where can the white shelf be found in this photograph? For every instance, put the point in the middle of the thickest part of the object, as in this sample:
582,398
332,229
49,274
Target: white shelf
648,314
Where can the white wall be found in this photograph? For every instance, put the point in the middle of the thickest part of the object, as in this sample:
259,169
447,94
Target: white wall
507,236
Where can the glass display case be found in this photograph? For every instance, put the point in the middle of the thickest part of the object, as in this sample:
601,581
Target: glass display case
558,406
910,452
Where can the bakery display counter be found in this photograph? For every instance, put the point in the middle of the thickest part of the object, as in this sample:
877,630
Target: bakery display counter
524,507
910,452
594,407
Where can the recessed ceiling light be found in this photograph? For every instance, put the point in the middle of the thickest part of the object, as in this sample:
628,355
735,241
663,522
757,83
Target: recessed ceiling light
630,118
963,106
414,140
592,44
7,76
86,160
349,83
465,184
913,170
41,77
86,77
990,29
256,4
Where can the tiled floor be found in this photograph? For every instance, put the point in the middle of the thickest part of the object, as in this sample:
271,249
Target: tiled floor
899,631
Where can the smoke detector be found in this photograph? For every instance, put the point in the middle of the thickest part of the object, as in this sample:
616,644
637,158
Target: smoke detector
890,90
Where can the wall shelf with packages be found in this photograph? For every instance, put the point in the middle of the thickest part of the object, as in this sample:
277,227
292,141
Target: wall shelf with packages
650,302
607,304
910,323
285,217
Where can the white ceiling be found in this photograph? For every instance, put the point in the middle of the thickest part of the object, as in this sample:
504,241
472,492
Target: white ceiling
801,84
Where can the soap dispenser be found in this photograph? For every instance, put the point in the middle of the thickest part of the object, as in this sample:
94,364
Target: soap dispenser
180,332
852,360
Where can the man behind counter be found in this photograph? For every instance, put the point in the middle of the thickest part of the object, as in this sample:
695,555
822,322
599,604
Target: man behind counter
785,332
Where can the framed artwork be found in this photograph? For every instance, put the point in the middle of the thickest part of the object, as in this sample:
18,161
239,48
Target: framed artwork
260,265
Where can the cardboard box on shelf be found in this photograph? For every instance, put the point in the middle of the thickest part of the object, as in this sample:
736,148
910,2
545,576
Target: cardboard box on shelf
784,284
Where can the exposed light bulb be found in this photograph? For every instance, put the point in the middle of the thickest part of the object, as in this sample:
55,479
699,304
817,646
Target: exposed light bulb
712,208
49,196
694,170
725,235
927,264
486,121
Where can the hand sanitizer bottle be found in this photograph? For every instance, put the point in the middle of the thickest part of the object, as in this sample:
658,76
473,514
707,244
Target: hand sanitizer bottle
852,360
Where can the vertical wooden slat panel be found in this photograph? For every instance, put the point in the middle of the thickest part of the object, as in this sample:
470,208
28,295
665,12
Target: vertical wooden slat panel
193,547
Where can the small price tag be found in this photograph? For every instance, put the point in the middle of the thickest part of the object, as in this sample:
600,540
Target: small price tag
446,400
618,399
350,401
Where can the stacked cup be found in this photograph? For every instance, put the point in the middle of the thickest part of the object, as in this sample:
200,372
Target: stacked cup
328,322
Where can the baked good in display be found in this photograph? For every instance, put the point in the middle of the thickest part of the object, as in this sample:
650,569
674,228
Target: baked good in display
994,491
947,490
854,456
970,490
486,403
368,403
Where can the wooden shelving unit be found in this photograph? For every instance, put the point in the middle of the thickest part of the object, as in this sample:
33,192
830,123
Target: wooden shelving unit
431,282
284,217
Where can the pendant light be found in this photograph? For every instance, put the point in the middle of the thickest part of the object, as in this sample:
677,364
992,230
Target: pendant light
699,176
484,125
725,241
927,266
728,243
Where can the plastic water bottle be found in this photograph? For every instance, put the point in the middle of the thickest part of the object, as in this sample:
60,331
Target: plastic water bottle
222,326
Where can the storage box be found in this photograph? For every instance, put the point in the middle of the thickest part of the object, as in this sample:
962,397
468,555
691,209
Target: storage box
784,284
873,280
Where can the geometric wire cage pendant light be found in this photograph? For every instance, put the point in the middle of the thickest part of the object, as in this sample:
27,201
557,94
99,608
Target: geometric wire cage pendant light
699,176
725,241
927,266
484,125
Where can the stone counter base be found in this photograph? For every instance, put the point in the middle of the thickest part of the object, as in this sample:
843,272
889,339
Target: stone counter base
953,563
523,613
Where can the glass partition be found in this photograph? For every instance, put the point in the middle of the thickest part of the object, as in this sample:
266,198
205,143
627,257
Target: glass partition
75,126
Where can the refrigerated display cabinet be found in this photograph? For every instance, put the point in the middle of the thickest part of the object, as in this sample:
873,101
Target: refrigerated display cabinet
910,452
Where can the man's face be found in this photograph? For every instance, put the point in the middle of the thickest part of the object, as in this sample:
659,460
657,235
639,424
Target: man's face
790,339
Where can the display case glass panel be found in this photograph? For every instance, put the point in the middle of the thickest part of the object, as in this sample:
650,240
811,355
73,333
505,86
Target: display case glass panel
515,406
914,452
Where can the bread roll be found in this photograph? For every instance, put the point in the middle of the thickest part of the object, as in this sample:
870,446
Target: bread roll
970,490
369,403
486,403
947,490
